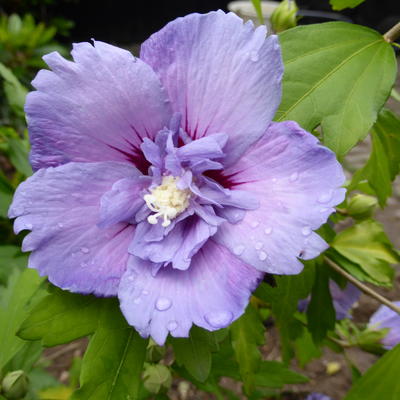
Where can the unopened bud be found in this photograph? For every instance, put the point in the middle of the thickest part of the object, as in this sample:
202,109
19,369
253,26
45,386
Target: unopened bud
362,206
15,385
284,16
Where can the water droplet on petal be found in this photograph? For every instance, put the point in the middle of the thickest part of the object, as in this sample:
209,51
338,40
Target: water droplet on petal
258,245
325,197
254,56
294,176
145,292
262,256
60,225
219,319
268,230
254,224
29,226
137,300
274,180
84,250
84,265
238,250
306,231
163,304
172,325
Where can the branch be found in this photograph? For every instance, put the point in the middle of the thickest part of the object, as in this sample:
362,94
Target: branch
392,34
367,290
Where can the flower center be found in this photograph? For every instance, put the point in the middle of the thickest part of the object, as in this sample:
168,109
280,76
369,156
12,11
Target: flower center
167,201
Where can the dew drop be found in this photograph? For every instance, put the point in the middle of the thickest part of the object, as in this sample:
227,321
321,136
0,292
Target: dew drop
172,325
84,265
325,197
238,250
29,226
145,292
258,245
262,255
306,231
268,230
137,300
274,180
60,225
254,224
219,319
294,177
324,210
254,56
84,250
163,304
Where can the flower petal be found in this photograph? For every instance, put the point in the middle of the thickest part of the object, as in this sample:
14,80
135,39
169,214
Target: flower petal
212,293
297,183
97,108
61,207
222,75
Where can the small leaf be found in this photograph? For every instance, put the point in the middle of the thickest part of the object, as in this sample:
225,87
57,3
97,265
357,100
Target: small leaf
247,334
338,5
61,317
381,381
383,164
367,245
321,314
337,75
194,353
113,362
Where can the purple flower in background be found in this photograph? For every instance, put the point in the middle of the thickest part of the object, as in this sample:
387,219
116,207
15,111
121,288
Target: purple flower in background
163,181
384,317
343,299
317,396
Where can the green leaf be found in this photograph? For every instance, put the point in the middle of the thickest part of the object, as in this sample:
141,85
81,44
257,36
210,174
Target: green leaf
157,377
384,162
113,362
247,334
338,5
381,381
275,375
367,245
13,301
19,156
305,348
321,314
194,353
10,259
6,194
337,75
13,89
61,317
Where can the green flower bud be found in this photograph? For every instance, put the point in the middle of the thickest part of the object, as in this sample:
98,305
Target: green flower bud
15,385
284,16
362,206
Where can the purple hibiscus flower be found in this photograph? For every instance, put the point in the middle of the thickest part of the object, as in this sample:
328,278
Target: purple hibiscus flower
317,396
384,317
163,181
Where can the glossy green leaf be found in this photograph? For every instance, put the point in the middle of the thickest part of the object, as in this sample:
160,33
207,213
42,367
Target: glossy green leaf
11,259
338,5
367,245
113,362
383,164
194,353
381,381
13,310
13,89
61,317
337,75
247,334
321,314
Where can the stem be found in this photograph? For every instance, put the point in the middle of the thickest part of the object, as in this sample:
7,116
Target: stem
395,44
367,290
392,34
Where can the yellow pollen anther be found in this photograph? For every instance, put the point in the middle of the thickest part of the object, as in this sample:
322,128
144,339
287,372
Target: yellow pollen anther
167,201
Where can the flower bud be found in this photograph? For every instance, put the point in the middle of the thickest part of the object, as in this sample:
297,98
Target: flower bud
15,385
362,206
284,16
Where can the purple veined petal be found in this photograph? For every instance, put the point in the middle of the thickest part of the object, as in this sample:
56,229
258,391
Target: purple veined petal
211,294
123,201
178,246
297,182
60,206
343,299
97,108
384,317
220,74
